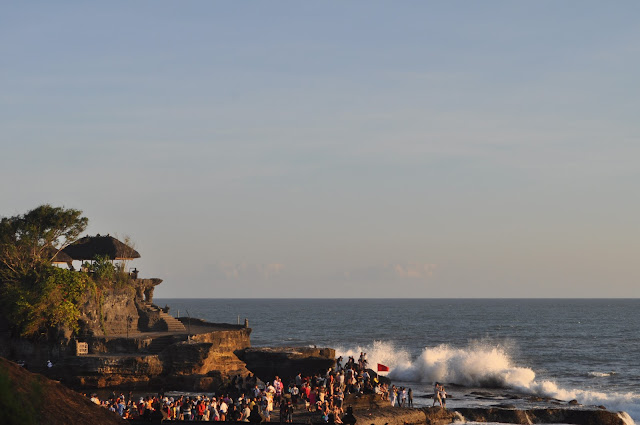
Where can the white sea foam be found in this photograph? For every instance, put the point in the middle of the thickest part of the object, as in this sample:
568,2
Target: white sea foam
601,374
483,365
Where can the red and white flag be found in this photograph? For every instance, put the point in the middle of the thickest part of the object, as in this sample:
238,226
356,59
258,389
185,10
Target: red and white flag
383,368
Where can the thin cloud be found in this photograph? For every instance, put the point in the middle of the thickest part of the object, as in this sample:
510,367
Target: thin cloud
413,270
393,271
246,271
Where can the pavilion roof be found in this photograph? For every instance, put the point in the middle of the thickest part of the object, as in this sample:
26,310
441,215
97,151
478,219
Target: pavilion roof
89,247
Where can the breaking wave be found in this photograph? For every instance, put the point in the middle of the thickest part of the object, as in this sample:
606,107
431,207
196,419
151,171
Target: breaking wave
601,374
482,364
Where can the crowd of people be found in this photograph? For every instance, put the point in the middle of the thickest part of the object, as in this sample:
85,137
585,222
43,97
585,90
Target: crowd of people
250,400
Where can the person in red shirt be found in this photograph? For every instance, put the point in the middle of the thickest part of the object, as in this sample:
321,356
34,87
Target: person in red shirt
200,409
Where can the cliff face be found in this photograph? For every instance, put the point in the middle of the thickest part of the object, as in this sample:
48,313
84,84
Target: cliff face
109,313
117,310
204,353
205,361
286,362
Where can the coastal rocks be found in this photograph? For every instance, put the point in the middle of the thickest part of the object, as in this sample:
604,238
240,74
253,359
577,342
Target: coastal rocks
286,362
371,409
200,358
403,416
541,416
509,416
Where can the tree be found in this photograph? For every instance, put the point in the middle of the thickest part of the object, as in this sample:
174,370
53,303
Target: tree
33,293
30,241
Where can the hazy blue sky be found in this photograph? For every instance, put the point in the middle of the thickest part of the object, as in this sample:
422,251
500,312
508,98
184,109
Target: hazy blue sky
326,149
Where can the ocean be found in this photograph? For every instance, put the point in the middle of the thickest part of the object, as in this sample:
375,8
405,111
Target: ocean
582,349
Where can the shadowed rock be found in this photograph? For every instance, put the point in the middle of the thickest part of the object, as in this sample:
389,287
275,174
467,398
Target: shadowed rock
543,416
286,362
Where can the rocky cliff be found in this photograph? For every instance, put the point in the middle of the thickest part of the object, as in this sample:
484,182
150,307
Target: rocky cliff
117,310
133,343
204,361
287,362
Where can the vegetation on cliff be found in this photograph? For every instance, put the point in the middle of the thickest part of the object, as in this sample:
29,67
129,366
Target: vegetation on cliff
34,294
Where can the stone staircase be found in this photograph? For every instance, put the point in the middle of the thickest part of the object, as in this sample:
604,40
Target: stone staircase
173,324
159,344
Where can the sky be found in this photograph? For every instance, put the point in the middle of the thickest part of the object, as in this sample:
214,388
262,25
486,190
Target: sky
335,149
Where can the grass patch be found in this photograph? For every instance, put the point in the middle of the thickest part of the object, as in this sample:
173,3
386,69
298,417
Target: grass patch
18,407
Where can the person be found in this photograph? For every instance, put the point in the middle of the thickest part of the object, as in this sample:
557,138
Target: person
246,412
394,395
266,413
403,397
200,408
410,398
120,408
443,397
339,398
255,417
289,412
186,410
436,394
223,407
348,417
278,385
234,414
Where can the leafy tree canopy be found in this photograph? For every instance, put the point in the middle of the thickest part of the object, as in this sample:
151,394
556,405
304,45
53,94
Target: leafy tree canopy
30,241
33,293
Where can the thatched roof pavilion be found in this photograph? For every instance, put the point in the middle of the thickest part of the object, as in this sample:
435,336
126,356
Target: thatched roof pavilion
61,258
89,247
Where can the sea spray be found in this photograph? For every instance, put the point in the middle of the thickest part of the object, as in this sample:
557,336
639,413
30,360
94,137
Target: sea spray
476,365
482,364
626,418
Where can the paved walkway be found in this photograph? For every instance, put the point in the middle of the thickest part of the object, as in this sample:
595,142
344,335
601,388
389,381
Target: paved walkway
195,328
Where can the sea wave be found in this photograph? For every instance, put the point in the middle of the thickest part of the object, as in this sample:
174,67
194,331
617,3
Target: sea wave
601,374
481,364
